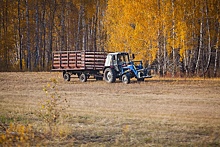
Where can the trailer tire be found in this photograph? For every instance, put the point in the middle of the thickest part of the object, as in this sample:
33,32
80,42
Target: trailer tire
83,77
109,75
66,77
126,79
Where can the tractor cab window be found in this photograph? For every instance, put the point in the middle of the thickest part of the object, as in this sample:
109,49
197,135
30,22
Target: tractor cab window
120,58
123,58
126,59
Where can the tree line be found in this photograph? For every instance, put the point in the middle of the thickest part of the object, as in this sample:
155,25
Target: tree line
176,37
30,30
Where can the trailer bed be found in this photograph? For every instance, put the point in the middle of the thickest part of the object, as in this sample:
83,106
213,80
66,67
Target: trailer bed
78,60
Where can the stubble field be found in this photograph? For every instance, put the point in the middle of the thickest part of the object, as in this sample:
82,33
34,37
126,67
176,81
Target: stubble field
157,112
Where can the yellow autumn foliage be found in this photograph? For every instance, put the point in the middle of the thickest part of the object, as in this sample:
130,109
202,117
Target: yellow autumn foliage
131,27
135,26
17,134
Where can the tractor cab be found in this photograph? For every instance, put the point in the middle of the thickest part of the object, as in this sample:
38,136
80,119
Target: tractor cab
117,60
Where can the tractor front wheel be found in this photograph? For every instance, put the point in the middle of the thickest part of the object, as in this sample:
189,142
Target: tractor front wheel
109,75
126,79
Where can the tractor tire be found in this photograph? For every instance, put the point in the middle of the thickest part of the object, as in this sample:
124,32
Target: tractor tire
126,79
141,79
83,77
109,75
66,77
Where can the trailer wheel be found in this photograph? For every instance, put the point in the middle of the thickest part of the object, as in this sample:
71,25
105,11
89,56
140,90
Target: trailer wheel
66,77
109,75
83,77
125,79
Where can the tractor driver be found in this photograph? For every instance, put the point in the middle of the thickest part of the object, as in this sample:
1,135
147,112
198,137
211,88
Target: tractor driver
120,59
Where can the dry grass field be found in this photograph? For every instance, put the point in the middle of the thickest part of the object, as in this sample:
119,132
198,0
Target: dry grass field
157,112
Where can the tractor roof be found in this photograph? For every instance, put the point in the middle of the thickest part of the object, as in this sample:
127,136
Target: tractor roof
119,53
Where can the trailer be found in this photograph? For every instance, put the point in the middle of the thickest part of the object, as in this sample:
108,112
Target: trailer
84,64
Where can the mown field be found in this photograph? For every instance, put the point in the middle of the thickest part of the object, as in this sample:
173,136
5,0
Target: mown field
157,112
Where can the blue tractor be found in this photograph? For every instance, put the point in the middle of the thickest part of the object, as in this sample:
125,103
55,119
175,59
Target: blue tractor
118,65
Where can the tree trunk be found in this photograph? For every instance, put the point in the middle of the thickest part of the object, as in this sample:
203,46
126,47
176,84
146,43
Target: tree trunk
158,41
52,15
200,47
28,36
90,33
95,28
173,41
216,60
209,40
84,33
62,23
192,54
78,40
164,46
1,35
164,55
36,62
20,35
217,41
43,36
216,50
159,53
5,35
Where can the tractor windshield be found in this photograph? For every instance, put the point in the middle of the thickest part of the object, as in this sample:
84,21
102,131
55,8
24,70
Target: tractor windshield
124,58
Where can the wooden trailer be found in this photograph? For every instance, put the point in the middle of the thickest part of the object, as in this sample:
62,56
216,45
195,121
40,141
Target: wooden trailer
81,63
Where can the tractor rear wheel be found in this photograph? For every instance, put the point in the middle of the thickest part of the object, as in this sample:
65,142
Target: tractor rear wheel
126,79
83,77
109,75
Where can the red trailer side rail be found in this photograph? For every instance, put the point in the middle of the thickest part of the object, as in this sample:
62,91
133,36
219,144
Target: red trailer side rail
82,63
78,60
